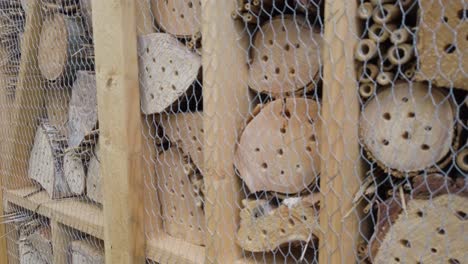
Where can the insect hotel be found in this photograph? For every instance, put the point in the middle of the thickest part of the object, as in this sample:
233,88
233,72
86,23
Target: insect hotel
233,131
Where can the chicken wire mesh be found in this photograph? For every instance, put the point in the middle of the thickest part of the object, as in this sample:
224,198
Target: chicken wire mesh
405,187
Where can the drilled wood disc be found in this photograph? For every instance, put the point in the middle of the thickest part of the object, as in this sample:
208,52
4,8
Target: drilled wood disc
167,71
278,149
74,173
182,217
408,128
53,47
178,17
285,57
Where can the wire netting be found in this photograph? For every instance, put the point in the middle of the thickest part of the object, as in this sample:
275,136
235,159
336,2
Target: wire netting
348,142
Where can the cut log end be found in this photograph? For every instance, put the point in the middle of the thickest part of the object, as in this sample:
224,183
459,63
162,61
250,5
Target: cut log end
74,173
178,17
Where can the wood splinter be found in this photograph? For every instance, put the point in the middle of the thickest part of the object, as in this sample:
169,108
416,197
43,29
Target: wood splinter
265,227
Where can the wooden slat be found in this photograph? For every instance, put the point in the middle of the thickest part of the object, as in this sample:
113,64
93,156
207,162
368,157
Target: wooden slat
61,238
81,215
28,103
225,105
166,249
340,169
120,127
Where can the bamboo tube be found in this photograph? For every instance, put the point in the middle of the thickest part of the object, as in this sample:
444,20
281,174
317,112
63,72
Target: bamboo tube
366,90
384,14
385,64
365,50
410,71
367,73
380,33
462,159
365,11
252,8
385,78
249,18
400,36
400,54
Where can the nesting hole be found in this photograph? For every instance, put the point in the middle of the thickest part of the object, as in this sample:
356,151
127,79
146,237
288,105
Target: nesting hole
173,87
283,130
440,231
383,13
292,71
282,172
405,243
309,149
190,4
249,238
265,58
264,165
397,259
264,232
270,41
257,149
265,77
313,138
182,196
428,128
147,50
420,213
191,213
425,147
365,49
450,48
291,222
453,261
387,116
282,231
280,152
287,47
434,250
399,53
277,70
462,14
287,113
176,73
461,215
199,149
297,46
411,114
406,135
163,69
385,142
152,95
182,16
304,217
445,19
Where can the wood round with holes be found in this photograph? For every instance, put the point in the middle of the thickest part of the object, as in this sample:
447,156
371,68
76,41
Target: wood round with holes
285,57
62,39
408,128
74,173
278,149
178,17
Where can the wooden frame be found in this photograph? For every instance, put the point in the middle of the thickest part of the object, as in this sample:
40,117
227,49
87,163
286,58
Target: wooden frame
116,25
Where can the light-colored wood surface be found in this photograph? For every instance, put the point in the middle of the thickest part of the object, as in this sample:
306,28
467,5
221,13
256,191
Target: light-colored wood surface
225,105
278,150
178,17
94,177
61,237
341,169
87,251
167,71
57,102
166,249
286,56
81,215
28,93
114,26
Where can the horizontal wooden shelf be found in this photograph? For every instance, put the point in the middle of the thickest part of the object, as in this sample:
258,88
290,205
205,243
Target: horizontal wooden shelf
166,249
73,212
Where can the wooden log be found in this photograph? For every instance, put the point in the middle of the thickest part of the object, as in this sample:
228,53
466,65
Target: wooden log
442,45
46,162
37,246
384,14
57,103
168,70
83,115
285,57
186,130
404,122
400,54
74,172
179,17
88,251
436,213
265,227
183,215
94,178
366,49
61,50
278,149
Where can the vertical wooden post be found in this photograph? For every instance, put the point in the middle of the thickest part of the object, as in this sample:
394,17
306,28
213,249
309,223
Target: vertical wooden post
225,105
60,242
340,169
115,41
3,236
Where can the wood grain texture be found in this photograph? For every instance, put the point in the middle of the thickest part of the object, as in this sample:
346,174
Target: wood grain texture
87,251
114,26
29,92
178,17
225,105
166,249
341,167
61,238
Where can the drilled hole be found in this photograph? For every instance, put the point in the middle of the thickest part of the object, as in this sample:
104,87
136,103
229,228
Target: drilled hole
387,116
453,261
163,69
191,213
170,61
298,166
309,149
194,138
270,41
405,243
283,130
190,4
304,217
182,182
154,60
406,135
249,238
282,172
445,19
182,16
297,45
173,87
264,165
287,113
265,77
434,250
463,14
176,73
277,70
287,47
291,222
264,232
428,128
450,48
292,71
257,149
397,259
199,149
425,147
461,215
265,58
312,138
147,50
152,95
280,152
182,196
441,231
282,231
420,213
385,142
411,114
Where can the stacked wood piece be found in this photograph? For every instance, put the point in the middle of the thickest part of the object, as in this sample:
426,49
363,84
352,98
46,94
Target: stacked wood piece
424,227
35,244
386,51
180,18
89,251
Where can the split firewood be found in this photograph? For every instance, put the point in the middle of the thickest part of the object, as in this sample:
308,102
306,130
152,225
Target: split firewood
278,149
183,214
414,228
87,252
57,103
62,48
178,17
94,179
285,57
405,130
265,226
167,71
74,171
36,247
46,161
83,114
186,130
